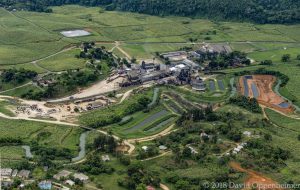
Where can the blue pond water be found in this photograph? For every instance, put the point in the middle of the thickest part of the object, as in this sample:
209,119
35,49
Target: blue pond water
212,85
221,85
254,90
284,105
246,88
248,77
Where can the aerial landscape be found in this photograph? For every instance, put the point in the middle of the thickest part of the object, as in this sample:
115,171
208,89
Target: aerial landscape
149,94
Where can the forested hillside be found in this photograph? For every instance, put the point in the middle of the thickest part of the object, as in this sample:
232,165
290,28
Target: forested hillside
260,11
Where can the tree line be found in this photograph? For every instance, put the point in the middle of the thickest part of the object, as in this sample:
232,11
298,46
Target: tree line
259,11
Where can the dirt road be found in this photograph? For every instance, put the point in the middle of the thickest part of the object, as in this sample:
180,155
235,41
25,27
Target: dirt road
99,88
38,120
150,138
255,179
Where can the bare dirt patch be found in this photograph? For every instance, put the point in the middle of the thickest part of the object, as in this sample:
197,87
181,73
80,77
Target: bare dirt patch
255,179
265,95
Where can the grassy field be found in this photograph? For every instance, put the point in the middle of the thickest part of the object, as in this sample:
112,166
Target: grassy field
286,122
285,137
18,44
147,51
4,108
12,152
49,135
275,55
19,91
63,61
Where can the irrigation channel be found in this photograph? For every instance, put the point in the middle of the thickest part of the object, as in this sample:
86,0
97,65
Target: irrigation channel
155,97
276,89
82,145
28,153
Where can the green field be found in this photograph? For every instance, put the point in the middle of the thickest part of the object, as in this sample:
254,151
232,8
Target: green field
285,136
4,108
12,152
147,51
48,135
275,55
18,44
19,91
63,61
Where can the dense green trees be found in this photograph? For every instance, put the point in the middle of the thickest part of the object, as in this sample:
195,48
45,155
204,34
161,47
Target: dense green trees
150,152
115,117
250,104
266,62
279,11
17,76
260,11
105,143
261,154
223,60
94,165
10,141
139,176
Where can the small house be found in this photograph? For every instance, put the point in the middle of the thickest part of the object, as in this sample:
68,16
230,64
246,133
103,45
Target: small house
63,173
24,174
81,177
6,172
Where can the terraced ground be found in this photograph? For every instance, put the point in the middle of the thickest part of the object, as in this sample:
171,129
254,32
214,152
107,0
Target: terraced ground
144,124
